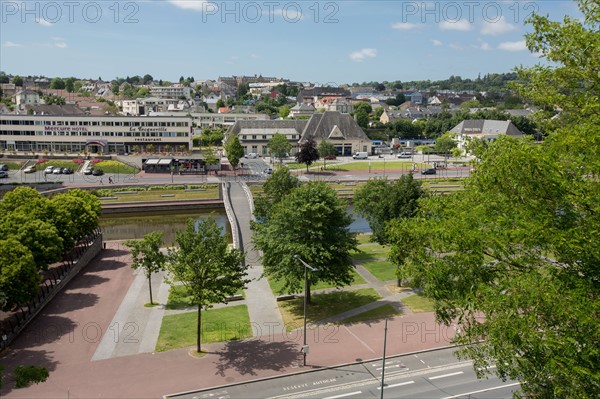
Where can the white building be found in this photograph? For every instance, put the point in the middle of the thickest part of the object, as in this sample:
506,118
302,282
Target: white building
483,129
97,134
174,91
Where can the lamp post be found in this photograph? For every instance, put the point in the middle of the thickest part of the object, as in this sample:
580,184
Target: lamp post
306,267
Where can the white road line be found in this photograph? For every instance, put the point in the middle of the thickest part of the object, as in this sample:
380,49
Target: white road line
343,395
422,361
481,390
397,385
388,367
359,340
446,375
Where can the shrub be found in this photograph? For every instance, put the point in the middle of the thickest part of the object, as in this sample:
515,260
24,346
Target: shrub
26,375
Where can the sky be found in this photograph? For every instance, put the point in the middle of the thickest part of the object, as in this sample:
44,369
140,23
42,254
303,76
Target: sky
324,42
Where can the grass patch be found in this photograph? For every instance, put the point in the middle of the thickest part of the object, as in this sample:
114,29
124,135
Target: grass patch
277,286
150,305
12,165
378,165
324,305
116,167
224,324
373,314
59,164
155,195
179,299
419,303
371,252
383,270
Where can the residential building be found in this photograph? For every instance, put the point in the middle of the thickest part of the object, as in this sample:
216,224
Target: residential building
99,134
390,115
27,97
311,95
485,129
177,91
301,109
8,89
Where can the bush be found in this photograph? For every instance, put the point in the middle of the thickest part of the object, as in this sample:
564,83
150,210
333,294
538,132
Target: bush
26,375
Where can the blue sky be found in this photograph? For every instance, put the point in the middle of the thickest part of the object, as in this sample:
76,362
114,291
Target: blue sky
317,41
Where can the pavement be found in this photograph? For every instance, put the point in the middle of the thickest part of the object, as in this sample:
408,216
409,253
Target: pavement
97,339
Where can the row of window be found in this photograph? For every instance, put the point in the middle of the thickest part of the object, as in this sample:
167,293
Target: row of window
93,134
29,122
267,137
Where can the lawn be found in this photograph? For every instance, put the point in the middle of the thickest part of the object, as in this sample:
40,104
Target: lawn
277,286
383,270
373,314
122,195
370,252
378,165
324,306
116,167
178,299
419,303
58,164
12,165
224,324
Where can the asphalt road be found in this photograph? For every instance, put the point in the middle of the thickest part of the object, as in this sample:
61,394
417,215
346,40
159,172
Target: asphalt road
435,374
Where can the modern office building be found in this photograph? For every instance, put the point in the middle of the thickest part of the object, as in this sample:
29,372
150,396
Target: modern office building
96,134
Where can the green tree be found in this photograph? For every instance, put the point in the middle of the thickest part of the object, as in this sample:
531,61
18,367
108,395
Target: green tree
277,186
381,200
52,99
57,83
19,278
70,85
234,150
220,103
308,153
362,118
18,81
210,156
363,106
279,146
147,79
326,149
310,222
284,111
147,255
208,269
445,144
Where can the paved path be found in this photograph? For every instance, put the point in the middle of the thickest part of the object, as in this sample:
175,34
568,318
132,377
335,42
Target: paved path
262,305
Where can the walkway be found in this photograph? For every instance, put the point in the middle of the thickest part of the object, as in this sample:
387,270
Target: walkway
262,305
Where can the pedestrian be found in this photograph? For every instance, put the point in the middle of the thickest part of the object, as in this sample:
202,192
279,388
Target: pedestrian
110,180
101,183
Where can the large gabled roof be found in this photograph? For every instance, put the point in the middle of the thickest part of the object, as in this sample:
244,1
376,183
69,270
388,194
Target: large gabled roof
332,125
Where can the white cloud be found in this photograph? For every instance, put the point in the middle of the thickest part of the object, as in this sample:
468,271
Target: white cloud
461,25
499,27
481,45
255,56
56,38
406,26
195,5
12,44
288,14
43,22
455,46
361,55
60,44
513,46
436,42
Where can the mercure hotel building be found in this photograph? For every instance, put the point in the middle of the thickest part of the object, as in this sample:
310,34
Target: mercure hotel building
97,134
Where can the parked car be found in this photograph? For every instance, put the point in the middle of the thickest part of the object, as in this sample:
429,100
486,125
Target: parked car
404,154
361,155
49,170
67,171
268,171
429,171
97,172
29,169
88,171
57,171
330,157
3,174
3,167
251,155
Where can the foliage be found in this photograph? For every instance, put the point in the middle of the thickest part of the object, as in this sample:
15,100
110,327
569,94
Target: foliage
445,143
279,146
52,99
362,118
147,255
26,375
326,149
206,266
381,200
19,278
284,111
277,186
57,83
234,150
363,106
310,222
211,137
210,156
308,153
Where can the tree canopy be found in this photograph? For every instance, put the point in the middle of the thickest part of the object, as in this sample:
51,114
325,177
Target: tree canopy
311,222
513,258
147,255
234,150
308,153
275,188
279,146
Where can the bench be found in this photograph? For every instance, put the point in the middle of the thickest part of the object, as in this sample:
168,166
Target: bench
285,298
167,195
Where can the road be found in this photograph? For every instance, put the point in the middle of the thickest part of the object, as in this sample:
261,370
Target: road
435,374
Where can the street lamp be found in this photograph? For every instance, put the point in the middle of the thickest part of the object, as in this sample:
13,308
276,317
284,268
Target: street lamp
312,269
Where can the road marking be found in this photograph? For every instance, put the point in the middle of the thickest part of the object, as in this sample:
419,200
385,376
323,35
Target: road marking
446,375
343,395
397,385
359,340
481,390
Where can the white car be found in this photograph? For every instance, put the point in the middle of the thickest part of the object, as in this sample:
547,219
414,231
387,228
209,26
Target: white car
404,155
29,169
251,155
49,170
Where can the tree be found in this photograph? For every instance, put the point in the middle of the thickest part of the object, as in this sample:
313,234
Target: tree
19,278
311,222
362,118
512,258
279,146
445,144
18,81
57,83
147,255
147,79
326,149
363,106
284,111
220,103
52,99
277,186
207,268
70,85
210,156
235,151
308,153
381,200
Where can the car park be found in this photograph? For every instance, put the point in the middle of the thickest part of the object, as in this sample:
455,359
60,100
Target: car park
88,171
67,171
251,155
404,154
3,167
97,172
3,174
57,171
49,170
29,169
429,171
